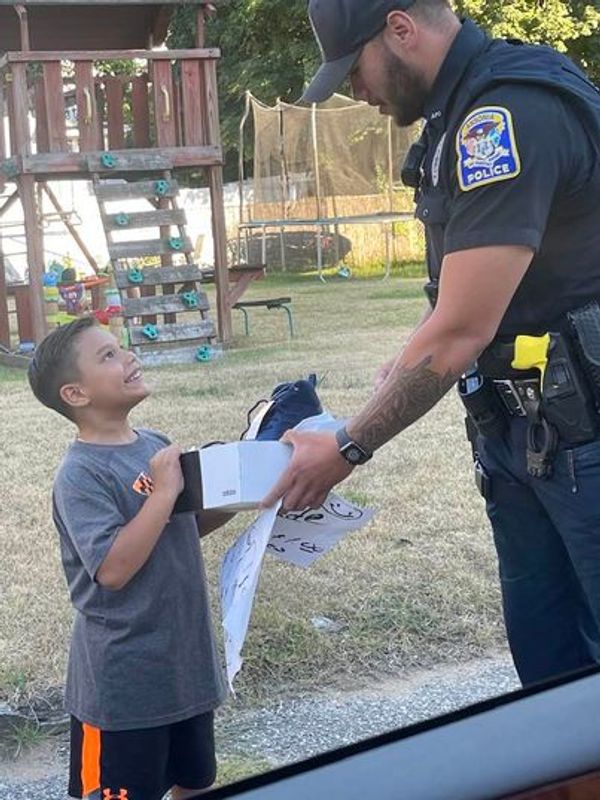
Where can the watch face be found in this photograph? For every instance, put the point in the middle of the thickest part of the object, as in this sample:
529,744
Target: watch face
353,455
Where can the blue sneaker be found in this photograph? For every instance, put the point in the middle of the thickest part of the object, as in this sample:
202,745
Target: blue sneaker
291,403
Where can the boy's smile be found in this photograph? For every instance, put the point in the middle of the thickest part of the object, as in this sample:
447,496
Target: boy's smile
136,375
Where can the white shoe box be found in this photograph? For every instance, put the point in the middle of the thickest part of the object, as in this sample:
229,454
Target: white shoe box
238,475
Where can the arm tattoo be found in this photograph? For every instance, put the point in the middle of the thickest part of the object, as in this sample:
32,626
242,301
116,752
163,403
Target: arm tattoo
407,394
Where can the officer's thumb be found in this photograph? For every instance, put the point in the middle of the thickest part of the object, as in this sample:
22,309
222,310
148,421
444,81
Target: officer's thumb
290,437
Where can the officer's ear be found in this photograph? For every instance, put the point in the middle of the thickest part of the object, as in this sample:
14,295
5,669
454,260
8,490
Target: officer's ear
400,30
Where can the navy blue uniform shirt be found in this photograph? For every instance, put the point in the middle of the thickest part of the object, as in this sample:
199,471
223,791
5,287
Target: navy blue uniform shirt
516,167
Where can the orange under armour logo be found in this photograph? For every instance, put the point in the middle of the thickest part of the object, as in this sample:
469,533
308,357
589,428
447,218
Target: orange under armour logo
143,484
108,794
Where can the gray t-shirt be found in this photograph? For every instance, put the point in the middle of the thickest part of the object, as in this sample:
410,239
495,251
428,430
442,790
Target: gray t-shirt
145,655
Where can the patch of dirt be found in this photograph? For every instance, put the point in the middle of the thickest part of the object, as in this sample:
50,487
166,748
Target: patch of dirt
47,758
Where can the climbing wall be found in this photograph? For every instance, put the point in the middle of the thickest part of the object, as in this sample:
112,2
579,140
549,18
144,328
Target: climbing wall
165,311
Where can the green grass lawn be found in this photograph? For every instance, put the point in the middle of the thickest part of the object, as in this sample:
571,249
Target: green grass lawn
418,587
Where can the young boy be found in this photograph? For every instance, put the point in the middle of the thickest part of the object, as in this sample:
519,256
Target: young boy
144,675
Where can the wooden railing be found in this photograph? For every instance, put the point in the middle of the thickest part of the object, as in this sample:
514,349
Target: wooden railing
64,102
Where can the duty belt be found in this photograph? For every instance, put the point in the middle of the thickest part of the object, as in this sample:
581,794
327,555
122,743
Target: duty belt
516,395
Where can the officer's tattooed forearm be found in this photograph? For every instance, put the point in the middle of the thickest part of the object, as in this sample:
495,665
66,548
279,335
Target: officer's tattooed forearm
407,394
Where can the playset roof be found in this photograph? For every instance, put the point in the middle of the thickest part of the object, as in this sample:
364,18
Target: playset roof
72,25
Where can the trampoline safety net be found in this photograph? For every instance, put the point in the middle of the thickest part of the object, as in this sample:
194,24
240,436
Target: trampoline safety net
341,158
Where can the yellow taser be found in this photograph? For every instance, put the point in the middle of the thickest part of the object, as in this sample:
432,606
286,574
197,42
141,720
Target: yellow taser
531,352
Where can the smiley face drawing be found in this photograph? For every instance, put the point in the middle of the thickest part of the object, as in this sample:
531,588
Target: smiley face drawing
342,510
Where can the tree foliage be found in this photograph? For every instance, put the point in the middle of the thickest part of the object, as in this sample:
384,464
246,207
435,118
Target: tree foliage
571,26
268,46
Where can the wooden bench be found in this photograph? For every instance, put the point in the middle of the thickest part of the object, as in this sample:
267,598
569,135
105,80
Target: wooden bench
268,303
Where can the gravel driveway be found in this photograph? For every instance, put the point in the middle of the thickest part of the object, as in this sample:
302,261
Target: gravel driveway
299,728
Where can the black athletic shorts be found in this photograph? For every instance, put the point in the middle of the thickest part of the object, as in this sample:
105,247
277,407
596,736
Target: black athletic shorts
142,764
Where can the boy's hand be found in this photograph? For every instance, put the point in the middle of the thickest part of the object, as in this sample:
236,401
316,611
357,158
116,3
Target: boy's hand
135,542
166,473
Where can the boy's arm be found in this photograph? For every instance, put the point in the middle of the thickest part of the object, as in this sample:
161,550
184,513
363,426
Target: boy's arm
209,520
135,541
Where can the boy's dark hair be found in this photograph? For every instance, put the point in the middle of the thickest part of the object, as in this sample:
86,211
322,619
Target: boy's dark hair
54,364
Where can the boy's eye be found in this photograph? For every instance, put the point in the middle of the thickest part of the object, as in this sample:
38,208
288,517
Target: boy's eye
109,354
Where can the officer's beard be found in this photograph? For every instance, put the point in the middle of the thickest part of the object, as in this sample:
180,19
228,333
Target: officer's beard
406,90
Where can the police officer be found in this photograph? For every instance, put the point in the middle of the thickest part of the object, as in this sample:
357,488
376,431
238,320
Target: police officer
507,177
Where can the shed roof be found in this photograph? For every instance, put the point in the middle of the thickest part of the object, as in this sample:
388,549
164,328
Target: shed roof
72,25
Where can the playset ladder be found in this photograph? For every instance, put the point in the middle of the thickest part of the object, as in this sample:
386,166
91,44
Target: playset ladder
165,311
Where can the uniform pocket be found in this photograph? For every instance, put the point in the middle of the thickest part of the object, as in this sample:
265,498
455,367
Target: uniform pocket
586,454
432,208
582,465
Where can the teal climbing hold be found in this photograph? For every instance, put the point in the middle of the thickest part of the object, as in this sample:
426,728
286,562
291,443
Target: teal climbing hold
108,160
204,353
176,243
9,168
161,187
190,299
135,275
150,331
122,220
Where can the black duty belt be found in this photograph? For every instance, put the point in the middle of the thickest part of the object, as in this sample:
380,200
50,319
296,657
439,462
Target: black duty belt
517,394
496,363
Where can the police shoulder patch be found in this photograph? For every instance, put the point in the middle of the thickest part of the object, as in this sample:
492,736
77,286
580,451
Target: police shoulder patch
487,148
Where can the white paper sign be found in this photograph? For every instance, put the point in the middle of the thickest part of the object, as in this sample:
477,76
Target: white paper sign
296,537
239,578
299,538
302,537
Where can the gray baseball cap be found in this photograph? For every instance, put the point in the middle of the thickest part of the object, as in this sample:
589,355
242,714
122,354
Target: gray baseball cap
342,28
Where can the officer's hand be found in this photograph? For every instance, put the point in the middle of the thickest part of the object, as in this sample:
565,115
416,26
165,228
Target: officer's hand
315,468
383,372
165,469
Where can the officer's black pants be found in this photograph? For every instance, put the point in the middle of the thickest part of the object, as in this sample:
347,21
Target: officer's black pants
547,534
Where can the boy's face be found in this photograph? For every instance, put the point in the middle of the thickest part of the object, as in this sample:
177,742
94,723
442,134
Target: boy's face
110,378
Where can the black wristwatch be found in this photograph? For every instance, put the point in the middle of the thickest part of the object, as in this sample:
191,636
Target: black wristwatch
351,450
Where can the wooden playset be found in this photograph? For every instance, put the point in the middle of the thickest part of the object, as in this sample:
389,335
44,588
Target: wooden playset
141,114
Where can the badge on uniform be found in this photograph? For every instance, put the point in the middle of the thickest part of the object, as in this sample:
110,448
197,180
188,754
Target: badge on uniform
487,148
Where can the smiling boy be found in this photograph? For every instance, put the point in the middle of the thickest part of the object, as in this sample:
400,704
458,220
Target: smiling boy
144,676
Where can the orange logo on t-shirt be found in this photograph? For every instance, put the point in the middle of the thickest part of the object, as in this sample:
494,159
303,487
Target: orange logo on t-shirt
143,484
107,794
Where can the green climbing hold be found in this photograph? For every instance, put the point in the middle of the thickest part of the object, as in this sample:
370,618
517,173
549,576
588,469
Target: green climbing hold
204,353
9,168
176,243
108,160
150,331
190,299
161,188
122,220
135,275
